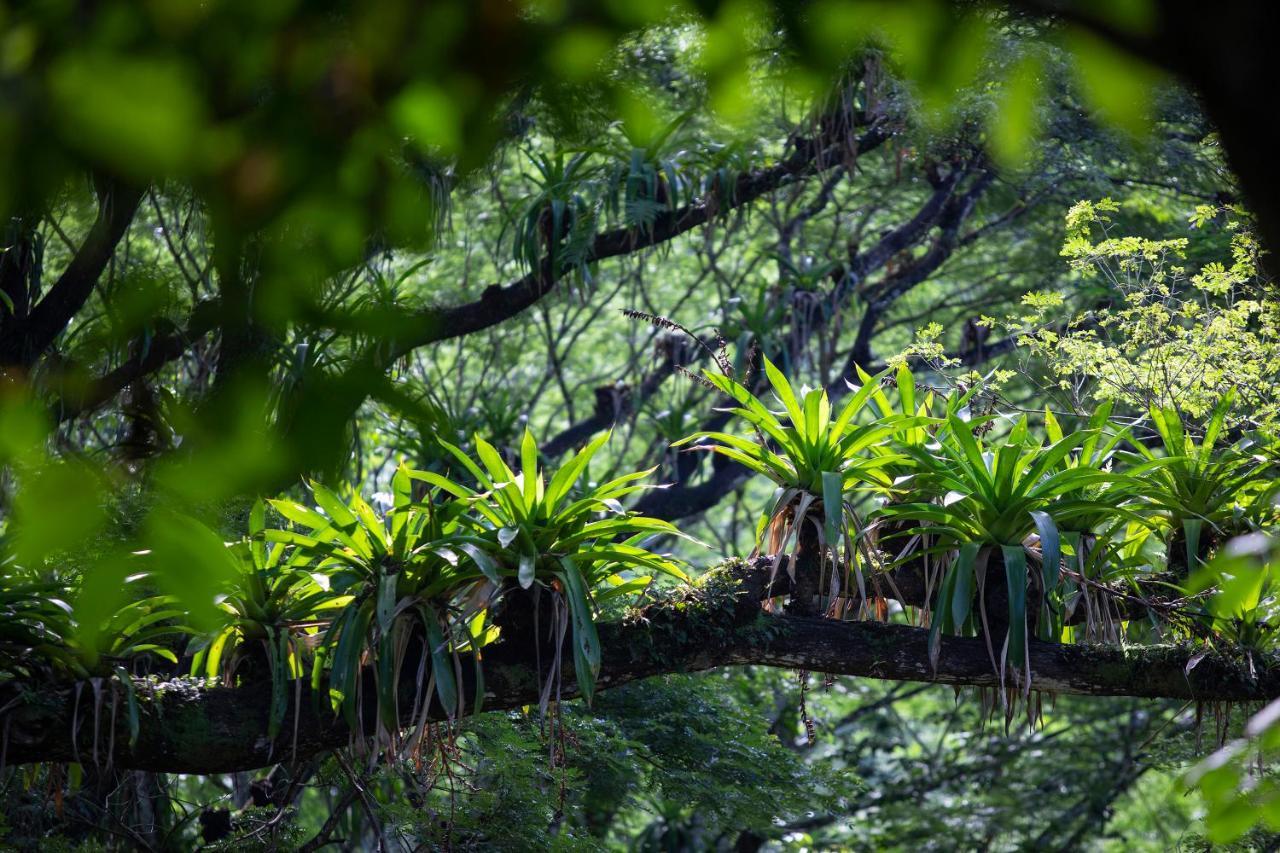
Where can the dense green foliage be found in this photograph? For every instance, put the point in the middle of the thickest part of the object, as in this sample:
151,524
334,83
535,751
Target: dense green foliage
953,315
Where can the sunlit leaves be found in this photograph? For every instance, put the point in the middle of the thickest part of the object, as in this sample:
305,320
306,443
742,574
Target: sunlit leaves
819,459
423,575
397,571
272,608
564,534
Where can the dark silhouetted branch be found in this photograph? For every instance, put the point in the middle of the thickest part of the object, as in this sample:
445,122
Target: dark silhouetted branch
28,340
159,351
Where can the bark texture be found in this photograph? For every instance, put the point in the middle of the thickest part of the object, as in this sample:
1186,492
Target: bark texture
185,726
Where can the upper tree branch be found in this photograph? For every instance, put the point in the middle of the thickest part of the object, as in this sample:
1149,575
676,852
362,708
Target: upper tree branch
498,303
331,403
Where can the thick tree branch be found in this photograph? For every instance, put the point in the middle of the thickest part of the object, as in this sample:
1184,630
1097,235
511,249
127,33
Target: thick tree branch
117,205
187,727
331,403
160,351
499,303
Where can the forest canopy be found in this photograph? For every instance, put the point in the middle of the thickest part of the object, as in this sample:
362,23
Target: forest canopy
655,426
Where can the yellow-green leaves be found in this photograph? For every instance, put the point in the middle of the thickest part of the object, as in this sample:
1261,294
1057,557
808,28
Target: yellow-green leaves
563,534
812,458
1168,333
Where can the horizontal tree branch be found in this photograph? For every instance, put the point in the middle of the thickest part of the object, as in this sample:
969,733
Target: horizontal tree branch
185,726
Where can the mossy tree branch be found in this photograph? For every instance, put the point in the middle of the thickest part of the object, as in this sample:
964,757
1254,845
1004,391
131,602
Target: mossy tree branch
187,727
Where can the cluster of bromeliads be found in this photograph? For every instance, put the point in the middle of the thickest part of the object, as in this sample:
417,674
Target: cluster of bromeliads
987,515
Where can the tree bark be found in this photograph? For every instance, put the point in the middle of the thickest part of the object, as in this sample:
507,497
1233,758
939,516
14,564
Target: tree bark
22,345
187,727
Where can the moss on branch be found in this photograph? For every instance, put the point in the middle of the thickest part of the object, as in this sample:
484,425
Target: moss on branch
190,726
